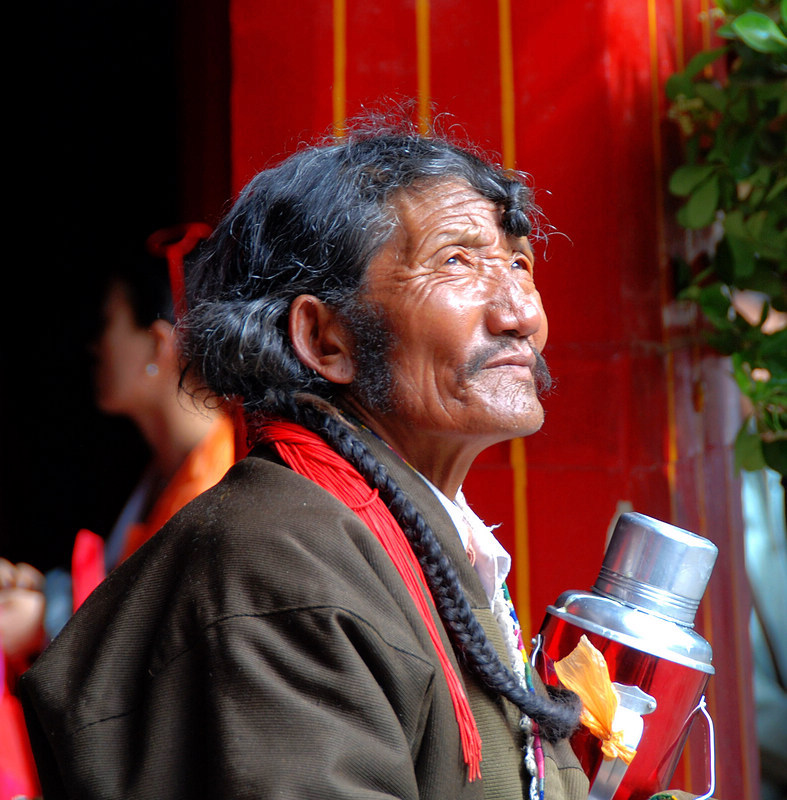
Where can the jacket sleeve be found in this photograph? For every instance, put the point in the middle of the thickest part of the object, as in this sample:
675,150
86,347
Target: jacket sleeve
296,704
306,703
241,654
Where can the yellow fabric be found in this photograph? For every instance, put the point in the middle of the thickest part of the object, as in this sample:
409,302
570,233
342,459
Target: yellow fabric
585,672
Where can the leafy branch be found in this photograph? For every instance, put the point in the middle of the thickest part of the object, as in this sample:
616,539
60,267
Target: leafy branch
731,106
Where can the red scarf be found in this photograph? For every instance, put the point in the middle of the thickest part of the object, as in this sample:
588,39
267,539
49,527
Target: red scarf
307,454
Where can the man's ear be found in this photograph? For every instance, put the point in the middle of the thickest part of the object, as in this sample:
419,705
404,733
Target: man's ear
320,340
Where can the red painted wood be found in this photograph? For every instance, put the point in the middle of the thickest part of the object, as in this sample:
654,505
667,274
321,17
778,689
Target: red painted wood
381,53
465,81
282,73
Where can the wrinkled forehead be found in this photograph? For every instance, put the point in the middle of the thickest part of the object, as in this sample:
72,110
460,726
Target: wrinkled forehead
438,210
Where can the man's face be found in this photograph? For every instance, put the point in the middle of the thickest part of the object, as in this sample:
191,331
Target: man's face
465,319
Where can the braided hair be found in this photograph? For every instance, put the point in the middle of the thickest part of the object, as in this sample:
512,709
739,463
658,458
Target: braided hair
311,226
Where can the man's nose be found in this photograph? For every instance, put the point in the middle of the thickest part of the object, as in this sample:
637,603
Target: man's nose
515,310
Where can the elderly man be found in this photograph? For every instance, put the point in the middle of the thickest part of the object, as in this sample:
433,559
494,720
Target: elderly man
330,621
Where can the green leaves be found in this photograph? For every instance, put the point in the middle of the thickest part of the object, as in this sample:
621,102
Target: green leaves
700,183
713,97
734,6
748,450
687,178
778,187
760,32
700,210
731,106
762,440
703,59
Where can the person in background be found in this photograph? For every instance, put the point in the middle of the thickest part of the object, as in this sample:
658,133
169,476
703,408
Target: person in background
192,444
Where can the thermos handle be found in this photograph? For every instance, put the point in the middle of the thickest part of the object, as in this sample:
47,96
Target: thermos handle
702,707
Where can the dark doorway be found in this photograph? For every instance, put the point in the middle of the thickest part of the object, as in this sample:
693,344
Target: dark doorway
105,99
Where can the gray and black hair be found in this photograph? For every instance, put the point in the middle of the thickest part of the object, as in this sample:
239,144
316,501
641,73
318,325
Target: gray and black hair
311,226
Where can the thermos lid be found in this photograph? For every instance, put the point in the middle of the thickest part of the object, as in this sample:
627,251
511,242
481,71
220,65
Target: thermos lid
657,567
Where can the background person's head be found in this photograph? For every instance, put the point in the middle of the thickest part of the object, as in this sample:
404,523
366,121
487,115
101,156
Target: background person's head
137,360
135,327
142,293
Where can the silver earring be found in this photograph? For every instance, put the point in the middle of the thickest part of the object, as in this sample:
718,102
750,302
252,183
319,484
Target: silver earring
151,369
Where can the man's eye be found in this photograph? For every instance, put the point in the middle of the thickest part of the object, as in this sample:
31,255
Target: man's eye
521,263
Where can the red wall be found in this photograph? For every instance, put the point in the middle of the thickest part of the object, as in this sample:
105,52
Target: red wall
572,94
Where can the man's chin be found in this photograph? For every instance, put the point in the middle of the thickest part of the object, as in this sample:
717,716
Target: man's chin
515,423
530,426
531,418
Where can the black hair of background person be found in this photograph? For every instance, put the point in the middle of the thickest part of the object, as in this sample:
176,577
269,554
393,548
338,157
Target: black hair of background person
94,129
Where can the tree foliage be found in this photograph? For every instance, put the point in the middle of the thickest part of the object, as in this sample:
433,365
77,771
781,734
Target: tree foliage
731,105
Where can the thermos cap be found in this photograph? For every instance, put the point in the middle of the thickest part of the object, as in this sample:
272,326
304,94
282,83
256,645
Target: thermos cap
657,567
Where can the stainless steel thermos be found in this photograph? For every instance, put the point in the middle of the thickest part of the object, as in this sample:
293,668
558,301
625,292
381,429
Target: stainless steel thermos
640,615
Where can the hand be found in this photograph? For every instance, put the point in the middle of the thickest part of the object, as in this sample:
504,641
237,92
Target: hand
21,622
22,606
21,575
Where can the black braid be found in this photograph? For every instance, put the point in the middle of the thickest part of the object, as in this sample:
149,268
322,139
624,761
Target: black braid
558,715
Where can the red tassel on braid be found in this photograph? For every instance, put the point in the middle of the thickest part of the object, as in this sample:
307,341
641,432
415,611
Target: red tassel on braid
307,454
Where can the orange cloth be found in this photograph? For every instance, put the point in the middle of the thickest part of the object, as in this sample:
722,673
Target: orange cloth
204,467
584,670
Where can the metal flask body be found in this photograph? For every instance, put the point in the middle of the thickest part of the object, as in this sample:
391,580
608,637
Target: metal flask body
640,615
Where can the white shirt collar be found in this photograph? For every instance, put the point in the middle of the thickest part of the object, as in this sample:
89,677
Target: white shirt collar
492,561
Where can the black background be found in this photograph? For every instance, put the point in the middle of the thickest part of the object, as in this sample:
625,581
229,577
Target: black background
94,155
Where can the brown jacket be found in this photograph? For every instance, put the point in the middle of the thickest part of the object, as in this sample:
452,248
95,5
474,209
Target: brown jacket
263,645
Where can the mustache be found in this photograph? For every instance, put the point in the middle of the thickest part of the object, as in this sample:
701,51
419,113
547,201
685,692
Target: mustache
542,377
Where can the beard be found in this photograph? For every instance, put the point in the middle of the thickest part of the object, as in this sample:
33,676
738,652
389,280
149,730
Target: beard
373,345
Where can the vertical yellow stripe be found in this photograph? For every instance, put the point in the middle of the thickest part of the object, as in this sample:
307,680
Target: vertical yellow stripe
424,65
339,66
680,57
706,26
661,254
521,537
507,84
663,262
517,454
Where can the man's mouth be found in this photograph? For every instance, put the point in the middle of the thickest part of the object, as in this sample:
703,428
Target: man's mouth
518,359
505,356
501,354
